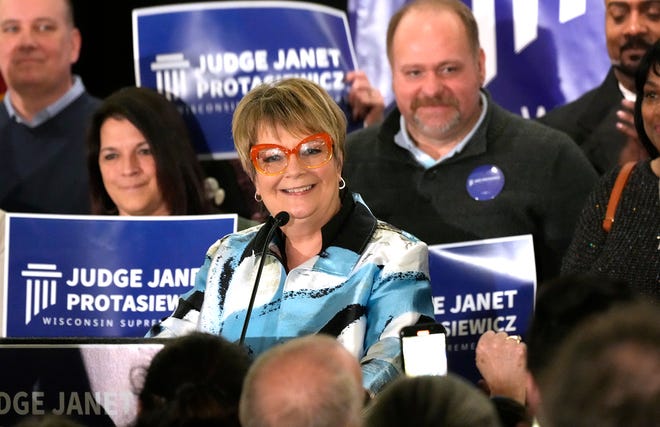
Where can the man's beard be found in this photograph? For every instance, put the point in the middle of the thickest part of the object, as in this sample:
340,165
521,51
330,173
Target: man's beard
438,131
630,69
441,129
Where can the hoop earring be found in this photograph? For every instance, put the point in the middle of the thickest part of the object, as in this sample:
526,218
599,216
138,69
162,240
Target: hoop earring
258,197
342,183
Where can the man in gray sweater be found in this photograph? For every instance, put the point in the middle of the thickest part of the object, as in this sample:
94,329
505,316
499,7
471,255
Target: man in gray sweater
450,165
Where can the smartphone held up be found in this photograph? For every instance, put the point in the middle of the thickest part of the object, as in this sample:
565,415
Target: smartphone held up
424,349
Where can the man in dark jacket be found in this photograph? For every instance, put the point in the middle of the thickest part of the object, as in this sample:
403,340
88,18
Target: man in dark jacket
601,120
450,165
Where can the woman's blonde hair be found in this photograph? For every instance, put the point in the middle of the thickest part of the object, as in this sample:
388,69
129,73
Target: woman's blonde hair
297,105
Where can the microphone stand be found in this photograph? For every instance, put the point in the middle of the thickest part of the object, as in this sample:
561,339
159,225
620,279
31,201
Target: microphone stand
278,221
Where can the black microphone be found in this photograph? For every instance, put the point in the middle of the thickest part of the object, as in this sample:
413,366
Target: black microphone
279,220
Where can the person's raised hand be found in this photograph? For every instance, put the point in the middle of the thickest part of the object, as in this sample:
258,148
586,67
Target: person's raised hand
367,103
501,360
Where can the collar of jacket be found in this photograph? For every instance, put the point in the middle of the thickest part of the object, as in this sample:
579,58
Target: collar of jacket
351,228
477,145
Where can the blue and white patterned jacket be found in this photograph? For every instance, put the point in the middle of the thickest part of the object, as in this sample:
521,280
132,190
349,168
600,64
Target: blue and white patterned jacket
368,281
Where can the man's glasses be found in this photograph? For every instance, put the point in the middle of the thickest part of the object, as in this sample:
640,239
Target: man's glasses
312,152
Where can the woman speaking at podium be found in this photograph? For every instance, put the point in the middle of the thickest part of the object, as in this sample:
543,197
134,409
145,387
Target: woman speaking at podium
321,263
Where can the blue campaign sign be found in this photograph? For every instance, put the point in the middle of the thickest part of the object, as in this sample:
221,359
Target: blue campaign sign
90,380
533,60
207,56
93,276
479,286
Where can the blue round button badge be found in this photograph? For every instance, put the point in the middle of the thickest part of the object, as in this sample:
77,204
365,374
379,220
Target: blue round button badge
485,182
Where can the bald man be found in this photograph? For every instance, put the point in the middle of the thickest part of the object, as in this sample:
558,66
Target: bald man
312,380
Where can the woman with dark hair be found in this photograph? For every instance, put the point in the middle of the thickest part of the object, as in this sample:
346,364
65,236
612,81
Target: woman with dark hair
647,84
627,245
140,158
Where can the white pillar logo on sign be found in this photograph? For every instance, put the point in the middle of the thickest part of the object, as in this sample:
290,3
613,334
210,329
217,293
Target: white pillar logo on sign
170,72
40,288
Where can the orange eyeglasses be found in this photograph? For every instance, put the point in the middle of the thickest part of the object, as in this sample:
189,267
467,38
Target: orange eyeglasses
312,152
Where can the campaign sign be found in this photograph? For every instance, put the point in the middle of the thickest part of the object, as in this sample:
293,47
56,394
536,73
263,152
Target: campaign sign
91,381
479,286
533,61
207,56
100,276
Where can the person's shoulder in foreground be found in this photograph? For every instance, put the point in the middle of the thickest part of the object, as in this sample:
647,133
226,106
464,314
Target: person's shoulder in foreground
607,373
562,304
428,401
